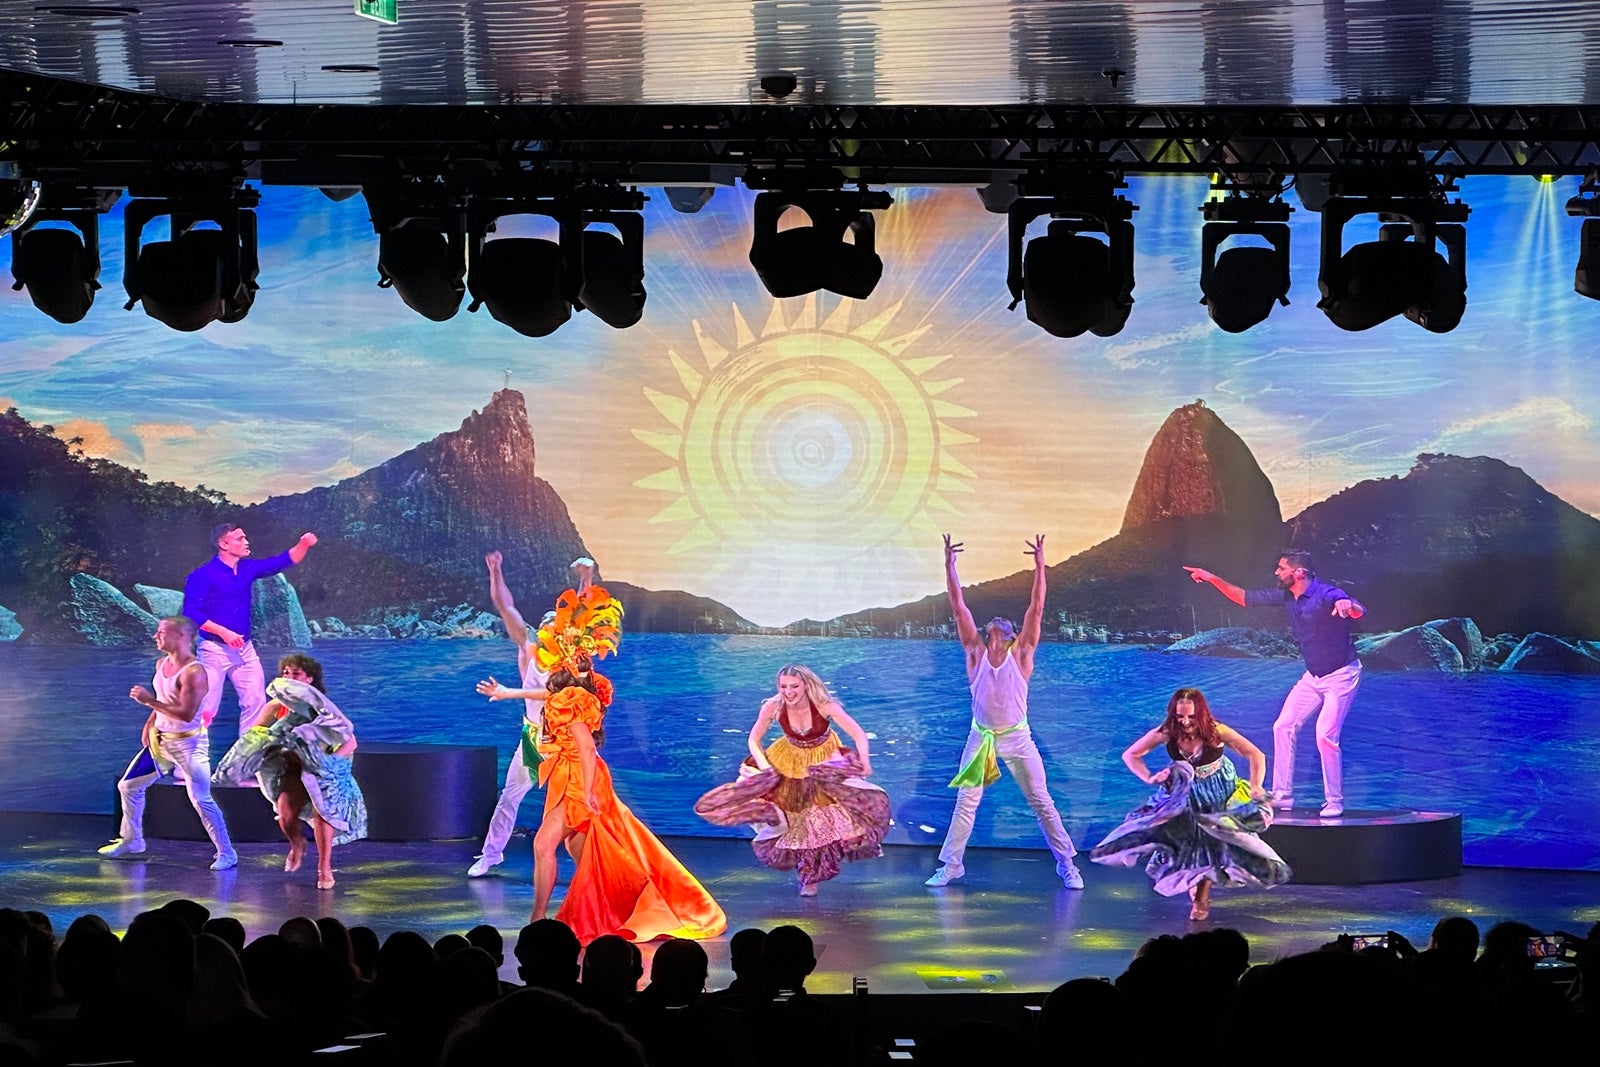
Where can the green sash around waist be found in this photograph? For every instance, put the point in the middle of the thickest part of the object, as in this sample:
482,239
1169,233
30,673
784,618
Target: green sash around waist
531,757
983,769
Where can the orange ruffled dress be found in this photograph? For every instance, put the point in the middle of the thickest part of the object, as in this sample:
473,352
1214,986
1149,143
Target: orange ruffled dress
627,883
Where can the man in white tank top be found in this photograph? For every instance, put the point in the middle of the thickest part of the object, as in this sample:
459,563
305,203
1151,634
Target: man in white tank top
999,665
520,774
174,736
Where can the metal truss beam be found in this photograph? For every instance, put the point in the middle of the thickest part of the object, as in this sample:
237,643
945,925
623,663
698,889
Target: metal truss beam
113,137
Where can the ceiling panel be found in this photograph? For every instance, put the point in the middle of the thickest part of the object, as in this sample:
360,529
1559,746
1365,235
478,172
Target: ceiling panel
853,52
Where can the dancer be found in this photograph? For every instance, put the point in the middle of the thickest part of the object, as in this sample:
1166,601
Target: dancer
519,775
999,667
174,736
1319,616
1201,827
299,752
806,794
216,595
627,883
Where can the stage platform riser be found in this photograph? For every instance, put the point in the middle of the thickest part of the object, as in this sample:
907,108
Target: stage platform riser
1369,848
414,793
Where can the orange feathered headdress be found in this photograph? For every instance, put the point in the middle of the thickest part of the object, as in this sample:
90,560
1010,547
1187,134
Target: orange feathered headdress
588,622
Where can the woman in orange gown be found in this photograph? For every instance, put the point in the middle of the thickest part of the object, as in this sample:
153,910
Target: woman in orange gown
627,883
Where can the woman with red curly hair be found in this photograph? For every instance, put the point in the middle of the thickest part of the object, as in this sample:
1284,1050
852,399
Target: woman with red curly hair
1202,826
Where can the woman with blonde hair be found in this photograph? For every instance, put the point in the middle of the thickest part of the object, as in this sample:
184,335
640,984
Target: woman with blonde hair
805,793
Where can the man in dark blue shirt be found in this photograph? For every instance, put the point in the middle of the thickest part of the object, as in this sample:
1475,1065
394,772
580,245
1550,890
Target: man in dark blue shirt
1319,616
216,595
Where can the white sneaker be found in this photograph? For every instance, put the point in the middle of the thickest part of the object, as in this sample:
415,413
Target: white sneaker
1332,810
1073,879
225,862
122,847
483,865
941,878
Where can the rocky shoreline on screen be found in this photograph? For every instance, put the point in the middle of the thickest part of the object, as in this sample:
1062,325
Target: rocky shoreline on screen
1452,645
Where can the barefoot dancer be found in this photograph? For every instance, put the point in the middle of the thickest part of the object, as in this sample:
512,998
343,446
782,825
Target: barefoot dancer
1202,826
299,753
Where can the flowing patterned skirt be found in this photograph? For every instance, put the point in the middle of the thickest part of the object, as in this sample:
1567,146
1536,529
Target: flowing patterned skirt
811,809
1201,827
271,756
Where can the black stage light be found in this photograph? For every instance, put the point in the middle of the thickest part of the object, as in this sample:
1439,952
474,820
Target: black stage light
1069,282
1586,205
1586,280
523,281
805,259
202,274
534,284
422,243
426,267
613,267
689,198
59,266
1239,285
1402,272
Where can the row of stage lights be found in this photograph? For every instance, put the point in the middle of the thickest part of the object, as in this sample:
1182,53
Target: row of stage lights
1075,277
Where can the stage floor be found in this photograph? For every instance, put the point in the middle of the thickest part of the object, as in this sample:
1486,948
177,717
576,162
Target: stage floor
1008,925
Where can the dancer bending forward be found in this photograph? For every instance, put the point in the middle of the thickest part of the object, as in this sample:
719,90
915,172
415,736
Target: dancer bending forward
298,751
806,794
1202,826
627,883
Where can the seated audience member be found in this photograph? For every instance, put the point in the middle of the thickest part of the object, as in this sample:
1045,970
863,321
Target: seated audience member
744,957
503,1032
612,967
229,929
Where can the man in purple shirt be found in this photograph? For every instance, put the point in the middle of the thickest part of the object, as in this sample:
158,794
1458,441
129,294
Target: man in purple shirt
216,595
1319,616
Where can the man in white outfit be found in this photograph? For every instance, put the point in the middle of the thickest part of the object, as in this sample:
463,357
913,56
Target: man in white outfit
174,736
999,666
1320,616
521,773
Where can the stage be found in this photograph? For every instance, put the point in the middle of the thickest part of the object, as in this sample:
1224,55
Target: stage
1008,925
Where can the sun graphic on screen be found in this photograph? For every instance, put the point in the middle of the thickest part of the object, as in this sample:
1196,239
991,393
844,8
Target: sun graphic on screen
808,458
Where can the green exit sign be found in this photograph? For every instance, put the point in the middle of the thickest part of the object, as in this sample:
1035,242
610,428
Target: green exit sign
386,11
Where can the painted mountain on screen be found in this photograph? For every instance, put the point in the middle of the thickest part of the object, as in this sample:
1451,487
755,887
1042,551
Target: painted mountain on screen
1452,537
403,540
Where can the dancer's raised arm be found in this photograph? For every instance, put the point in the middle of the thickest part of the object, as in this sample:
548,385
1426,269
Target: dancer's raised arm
500,596
966,629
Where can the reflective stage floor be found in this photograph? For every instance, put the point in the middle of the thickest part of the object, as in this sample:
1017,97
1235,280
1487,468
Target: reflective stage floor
1008,925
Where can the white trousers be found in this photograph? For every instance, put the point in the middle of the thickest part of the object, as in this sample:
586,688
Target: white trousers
242,667
191,755
1021,756
1329,699
518,781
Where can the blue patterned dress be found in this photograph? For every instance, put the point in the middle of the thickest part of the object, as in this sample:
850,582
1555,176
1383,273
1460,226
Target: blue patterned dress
1200,825
308,732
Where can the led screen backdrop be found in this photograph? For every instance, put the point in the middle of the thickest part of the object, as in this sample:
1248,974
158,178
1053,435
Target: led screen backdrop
765,482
